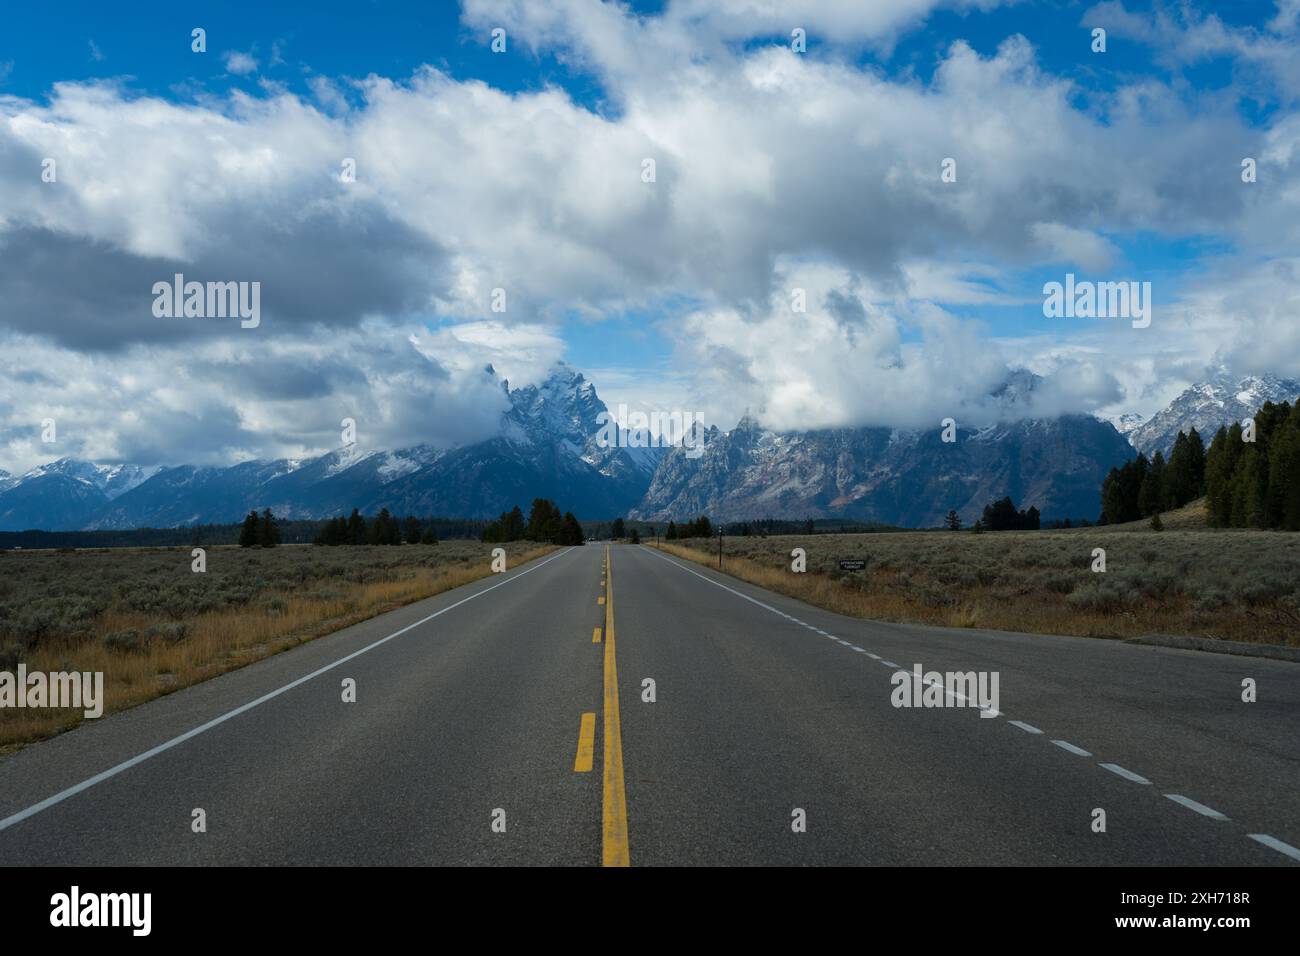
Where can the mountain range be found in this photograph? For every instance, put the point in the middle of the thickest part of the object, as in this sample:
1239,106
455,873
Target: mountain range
1221,400
548,446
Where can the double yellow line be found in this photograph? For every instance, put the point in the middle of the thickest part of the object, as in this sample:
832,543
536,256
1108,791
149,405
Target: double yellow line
614,849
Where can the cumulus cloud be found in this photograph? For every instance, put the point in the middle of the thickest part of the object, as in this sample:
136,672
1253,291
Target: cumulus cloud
771,168
241,64
853,358
221,401
1076,247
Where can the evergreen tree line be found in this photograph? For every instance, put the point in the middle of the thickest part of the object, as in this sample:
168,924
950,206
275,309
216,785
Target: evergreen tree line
701,527
259,531
1142,488
1003,516
1256,484
545,523
383,528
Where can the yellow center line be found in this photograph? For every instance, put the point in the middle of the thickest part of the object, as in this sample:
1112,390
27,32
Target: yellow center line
595,636
586,744
614,848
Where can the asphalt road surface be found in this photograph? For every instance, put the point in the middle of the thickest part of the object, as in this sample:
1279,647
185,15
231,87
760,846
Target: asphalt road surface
508,722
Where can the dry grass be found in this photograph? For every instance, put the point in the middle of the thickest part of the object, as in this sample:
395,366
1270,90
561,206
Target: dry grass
1234,585
152,626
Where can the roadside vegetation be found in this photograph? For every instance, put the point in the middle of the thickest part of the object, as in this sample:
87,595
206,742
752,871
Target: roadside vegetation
153,625
1241,585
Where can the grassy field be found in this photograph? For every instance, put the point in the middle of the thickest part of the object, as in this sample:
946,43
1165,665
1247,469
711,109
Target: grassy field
152,625
1228,584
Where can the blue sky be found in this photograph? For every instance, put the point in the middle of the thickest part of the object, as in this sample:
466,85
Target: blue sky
777,171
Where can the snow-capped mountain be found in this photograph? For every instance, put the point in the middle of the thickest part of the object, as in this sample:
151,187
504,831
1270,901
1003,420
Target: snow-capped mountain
1221,400
547,447
907,478
112,480
65,494
1127,423
552,443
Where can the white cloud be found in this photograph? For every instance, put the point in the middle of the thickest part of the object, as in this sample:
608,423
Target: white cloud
1076,247
241,64
770,167
224,401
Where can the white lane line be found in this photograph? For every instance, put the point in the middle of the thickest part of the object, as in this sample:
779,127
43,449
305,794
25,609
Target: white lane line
1066,745
1126,774
858,649
111,772
1027,728
1200,808
1275,844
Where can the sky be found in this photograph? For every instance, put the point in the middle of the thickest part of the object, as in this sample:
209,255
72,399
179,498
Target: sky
780,175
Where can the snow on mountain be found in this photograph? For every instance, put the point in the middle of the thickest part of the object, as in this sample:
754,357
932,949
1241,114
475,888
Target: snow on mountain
1206,406
1127,423
112,480
901,477
551,444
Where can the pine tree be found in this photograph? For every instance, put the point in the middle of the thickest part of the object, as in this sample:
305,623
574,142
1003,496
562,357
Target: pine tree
248,533
268,532
358,533
953,521
413,530
1219,463
1153,494
512,525
619,530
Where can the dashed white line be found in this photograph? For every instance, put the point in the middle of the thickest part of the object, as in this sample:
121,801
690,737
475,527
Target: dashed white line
1275,844
1066,745
1027,728
1126,774
1200,808
1263,838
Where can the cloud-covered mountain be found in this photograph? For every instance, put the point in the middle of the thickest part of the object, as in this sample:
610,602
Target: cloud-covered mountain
1222,400
908,478
548,446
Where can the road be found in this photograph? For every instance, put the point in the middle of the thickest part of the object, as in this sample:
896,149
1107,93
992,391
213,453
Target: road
506,722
